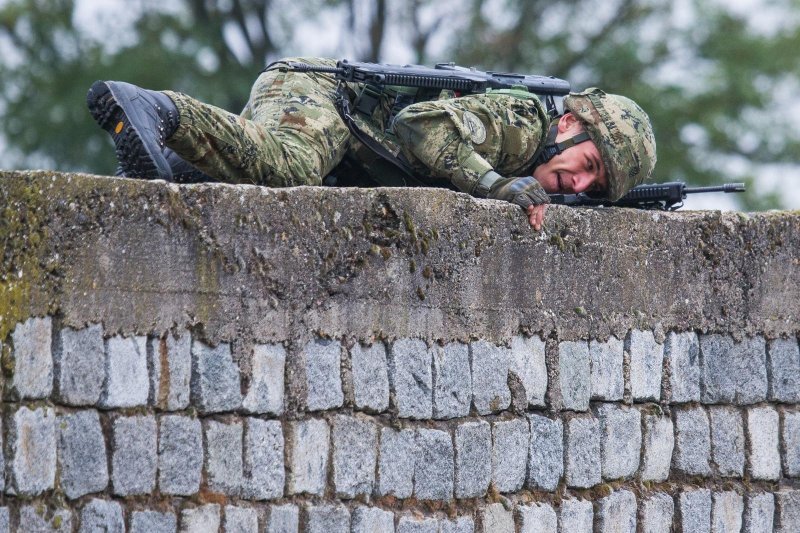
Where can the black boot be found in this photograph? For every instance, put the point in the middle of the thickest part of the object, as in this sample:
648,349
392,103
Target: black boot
183,171
139,121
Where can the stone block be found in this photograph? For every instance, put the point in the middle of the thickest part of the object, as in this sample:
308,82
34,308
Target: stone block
692,441
647,362
620,440
787,511
576,516
240,519
583,464
462,524
396,462
658,442
127,382
327,519
727,440
215,386
726,511
473,443
33,359
528,363
134,461
510,447
82,454
617,512
759,513
682,354
733,372
574,374
5,520
370,370
764,460
694,511
790,433
434,470
452,381
283,519
371,519
264,476
546,453
203,519
153,522
718,365
32,439
102,515
411,378
784,365
656,513
265,394
355,450
323,373
39,519
413,524
170,362
79,365
180,455
308,456
495,518
606,362
224,457
537,518
490,366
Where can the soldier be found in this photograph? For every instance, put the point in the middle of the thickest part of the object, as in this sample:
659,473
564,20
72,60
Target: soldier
499,145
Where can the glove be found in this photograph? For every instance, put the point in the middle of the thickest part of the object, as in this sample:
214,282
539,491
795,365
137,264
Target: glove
524,191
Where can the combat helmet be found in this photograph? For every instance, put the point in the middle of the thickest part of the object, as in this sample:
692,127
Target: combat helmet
622,132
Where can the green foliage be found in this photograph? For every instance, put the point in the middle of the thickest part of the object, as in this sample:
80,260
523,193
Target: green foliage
715,83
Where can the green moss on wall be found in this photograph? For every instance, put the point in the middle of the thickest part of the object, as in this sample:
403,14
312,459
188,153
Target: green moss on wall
25,262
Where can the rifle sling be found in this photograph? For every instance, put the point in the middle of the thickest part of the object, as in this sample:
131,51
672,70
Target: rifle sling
410,180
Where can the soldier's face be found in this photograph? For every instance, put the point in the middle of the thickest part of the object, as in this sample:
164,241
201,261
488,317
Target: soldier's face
577,169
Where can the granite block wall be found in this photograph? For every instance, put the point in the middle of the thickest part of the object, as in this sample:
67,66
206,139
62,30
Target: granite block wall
218,461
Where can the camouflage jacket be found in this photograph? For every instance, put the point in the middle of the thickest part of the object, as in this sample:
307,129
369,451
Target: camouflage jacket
450,141
461,139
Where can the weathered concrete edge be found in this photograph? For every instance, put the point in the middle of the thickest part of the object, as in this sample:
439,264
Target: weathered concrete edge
253,264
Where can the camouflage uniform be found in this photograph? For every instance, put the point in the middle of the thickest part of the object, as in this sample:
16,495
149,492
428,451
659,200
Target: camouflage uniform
290,133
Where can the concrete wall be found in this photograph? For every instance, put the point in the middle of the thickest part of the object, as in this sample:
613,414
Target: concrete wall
210,357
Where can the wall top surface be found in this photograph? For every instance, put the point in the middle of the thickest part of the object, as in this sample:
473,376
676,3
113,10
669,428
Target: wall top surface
257,264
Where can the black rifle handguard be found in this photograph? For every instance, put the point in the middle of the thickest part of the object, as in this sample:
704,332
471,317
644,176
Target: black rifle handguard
662,196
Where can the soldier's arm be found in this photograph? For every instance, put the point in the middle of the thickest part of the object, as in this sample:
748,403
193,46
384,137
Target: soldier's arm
463,139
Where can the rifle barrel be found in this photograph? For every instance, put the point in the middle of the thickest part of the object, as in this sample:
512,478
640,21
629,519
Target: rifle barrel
727,187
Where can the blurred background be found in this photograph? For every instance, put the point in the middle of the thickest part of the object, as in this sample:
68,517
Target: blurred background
719,79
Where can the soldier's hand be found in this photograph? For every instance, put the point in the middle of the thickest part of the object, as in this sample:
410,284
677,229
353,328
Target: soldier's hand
527,193
536,215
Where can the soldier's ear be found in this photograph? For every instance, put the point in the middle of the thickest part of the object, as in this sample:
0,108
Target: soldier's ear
569,123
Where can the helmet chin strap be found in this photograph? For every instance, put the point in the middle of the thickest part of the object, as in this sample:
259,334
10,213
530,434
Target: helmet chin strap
552,148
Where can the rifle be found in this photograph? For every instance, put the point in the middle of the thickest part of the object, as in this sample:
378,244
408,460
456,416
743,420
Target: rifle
430,81
662,196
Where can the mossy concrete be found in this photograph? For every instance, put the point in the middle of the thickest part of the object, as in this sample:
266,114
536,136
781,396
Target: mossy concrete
247,263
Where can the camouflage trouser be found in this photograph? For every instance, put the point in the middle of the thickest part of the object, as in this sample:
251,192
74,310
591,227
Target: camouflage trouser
289,134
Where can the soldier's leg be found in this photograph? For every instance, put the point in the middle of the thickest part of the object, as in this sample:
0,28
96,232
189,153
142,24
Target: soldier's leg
293,134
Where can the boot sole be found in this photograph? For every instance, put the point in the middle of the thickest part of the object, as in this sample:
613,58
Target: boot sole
137,158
